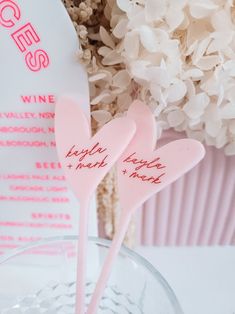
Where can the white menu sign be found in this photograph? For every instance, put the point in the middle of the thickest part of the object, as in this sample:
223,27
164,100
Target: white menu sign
38,63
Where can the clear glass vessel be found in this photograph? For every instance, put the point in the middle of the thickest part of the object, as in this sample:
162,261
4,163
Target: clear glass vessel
40,278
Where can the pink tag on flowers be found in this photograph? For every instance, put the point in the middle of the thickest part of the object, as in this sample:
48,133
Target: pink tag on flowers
144,170
87,159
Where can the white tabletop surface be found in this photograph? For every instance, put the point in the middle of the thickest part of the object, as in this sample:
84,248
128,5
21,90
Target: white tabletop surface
203,279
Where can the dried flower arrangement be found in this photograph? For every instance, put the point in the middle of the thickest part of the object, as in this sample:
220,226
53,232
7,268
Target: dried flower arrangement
177,56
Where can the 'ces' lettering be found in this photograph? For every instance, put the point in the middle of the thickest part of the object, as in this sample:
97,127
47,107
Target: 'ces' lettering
24,36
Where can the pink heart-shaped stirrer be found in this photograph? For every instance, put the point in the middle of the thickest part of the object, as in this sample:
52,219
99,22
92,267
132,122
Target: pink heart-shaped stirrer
85,161
142,172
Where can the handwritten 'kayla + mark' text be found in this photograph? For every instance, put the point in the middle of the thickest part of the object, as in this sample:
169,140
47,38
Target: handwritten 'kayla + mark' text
141,164
87,153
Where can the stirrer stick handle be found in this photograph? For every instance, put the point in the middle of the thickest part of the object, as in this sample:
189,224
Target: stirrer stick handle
109,261
82,256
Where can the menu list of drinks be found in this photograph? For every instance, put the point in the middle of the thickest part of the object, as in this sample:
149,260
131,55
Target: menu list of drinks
38,64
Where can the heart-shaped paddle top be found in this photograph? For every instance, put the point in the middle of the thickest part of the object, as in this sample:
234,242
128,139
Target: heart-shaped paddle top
143,171
85,159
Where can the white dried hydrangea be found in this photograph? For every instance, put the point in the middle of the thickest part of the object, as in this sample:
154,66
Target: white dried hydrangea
178,56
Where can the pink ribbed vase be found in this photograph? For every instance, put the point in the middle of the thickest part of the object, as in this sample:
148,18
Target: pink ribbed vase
198,209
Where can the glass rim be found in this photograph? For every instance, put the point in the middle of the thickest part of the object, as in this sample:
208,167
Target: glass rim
104,242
